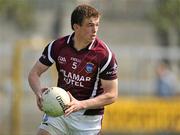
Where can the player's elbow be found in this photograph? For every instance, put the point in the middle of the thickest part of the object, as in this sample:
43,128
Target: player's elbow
112,97
30,76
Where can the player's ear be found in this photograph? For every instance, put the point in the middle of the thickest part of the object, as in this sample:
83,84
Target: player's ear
76,27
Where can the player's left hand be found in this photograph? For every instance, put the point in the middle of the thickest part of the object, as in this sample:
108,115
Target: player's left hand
74,106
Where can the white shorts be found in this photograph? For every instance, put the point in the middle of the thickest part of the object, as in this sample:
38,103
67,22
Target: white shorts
75,124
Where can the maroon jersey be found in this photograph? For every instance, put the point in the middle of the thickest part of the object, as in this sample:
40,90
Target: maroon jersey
80,72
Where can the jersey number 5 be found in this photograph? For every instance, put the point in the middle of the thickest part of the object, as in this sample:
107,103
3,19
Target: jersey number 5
74,65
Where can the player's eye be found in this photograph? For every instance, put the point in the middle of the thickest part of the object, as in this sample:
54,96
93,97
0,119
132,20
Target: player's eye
91,25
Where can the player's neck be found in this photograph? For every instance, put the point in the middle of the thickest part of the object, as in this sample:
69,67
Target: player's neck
79,43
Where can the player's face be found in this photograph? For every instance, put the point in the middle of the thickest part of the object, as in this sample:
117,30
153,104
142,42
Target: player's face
88,29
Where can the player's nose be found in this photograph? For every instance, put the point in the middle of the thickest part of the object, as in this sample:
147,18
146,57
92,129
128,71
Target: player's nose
95,29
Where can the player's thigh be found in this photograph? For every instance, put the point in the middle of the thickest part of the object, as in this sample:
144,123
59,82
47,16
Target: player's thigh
43,132
53,125
92,132
84,124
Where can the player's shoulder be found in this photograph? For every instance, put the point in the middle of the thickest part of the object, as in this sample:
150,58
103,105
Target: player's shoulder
60,42
102,48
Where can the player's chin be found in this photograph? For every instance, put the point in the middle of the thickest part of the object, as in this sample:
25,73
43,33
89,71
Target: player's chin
92,38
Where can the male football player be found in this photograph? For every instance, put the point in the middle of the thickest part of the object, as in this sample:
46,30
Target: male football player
86,68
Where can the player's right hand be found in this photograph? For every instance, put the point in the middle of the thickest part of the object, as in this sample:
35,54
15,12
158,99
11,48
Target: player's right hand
74,106
39,98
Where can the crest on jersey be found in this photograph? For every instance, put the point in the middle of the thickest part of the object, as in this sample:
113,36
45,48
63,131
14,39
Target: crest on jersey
61,60
89,67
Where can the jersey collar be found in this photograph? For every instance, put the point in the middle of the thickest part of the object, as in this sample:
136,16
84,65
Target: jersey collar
70,38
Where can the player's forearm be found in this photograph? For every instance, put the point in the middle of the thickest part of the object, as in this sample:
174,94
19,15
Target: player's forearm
99,101
34,82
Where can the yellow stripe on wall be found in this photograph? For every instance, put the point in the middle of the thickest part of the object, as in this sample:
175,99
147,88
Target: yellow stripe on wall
144,114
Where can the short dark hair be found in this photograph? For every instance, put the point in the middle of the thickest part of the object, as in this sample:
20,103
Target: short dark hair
81,12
